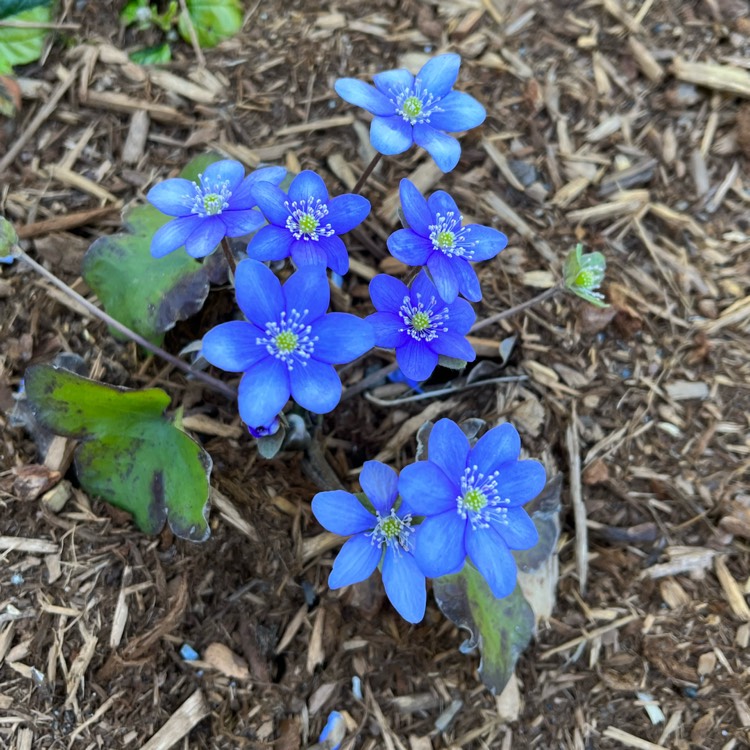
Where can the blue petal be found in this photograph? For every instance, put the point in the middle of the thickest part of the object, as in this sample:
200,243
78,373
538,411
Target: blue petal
355,562
271,201
363,95
489,241
448,448
416,359
308,253
391,135
423,287
387,328
238,223
439,544
172,235
441,202
444,149
443,276
404,584
337,259
271,243
439,74
307,289
308,184
388,293
500,445
173,197
458,111
347,211
231,346
451,344
409,247
244,195
393,82
207,235
263,391
427,490
461,316
315,386
380,483
258,294
341,513
416,211
468,283
493,560
517,529
226,170
521,481
341,338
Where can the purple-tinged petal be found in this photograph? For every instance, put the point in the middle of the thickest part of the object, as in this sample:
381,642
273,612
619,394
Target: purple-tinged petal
388,330
308,253
468,283
226,170
516,529
387,293
172,235
493,560
416,360
174,197
231,346
363,95
263,391
346,212
244,196
458,111
258,294
355,562
461,315
337,259
391,135
270,200
341,338
444,149
270,243
426,489
238,223
404,584
443,276
439,74
498,446
341,513
409,247
448,448
307,289
207,235
441,202
415,208
521,481
315,386
439,544
451,344
380,483
308,184
489,241
393,82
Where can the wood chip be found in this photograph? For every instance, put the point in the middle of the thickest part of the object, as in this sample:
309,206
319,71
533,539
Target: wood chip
80,665
576,497
713,76
181,723
24,544
731,590
315,652
630,740
218,656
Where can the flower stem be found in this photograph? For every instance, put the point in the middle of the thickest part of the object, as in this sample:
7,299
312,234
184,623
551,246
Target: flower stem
228,255
546,294
368,171
213,383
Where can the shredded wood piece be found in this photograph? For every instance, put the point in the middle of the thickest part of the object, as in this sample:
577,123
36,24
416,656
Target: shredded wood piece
180,723
630,740
576,497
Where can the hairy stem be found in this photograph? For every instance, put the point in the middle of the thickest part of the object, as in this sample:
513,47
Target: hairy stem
228,255
546,294
368,171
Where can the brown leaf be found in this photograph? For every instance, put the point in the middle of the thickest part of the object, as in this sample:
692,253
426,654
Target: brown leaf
596,472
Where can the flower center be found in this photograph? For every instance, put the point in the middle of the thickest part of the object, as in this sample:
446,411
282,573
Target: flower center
412,107
393,531
422,322
414,104
210,199
305,219
288,339
450,238
480,500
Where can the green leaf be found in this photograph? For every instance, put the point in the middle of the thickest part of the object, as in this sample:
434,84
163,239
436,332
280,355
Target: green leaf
137,11
147,294
160,53
584,274
19,46
213,20
130,454
8,241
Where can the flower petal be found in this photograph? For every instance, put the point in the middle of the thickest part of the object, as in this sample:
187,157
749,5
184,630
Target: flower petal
231,346
270,243
439,74
226,170
416,360
415,208
392,82
207,235
521,481
448,448
337,259
174,197
498,446
307,289
244,195
388,293
439,544
387,328
468,283
423,287
458,111
308,184
404,584
489,241
347,211
341,338
315,386
461,315
308,253
427,490
263,391
355,562
380,483
363,95
270,200
391,135
441,202
444,149
238,223
172,235
409,247
451,344
517,529
258,293
493,560
341,513
443,276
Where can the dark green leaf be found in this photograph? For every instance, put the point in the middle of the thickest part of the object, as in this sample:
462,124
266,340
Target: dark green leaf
213,20
10,8
160,53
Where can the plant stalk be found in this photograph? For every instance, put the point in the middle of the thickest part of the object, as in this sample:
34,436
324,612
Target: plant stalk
546,294
368,171
228,255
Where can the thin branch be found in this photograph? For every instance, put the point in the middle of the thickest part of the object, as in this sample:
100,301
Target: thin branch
546,294
368,171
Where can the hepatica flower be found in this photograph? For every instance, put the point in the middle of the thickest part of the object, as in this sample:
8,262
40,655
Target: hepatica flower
419,109
419,325
386,534
437,238
306,224
471,498
288,344
220,204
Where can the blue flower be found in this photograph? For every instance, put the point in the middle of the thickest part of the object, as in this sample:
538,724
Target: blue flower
419,109
219,205
288,344
305,224
471,498
265,430
437,238
387,534
419,325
